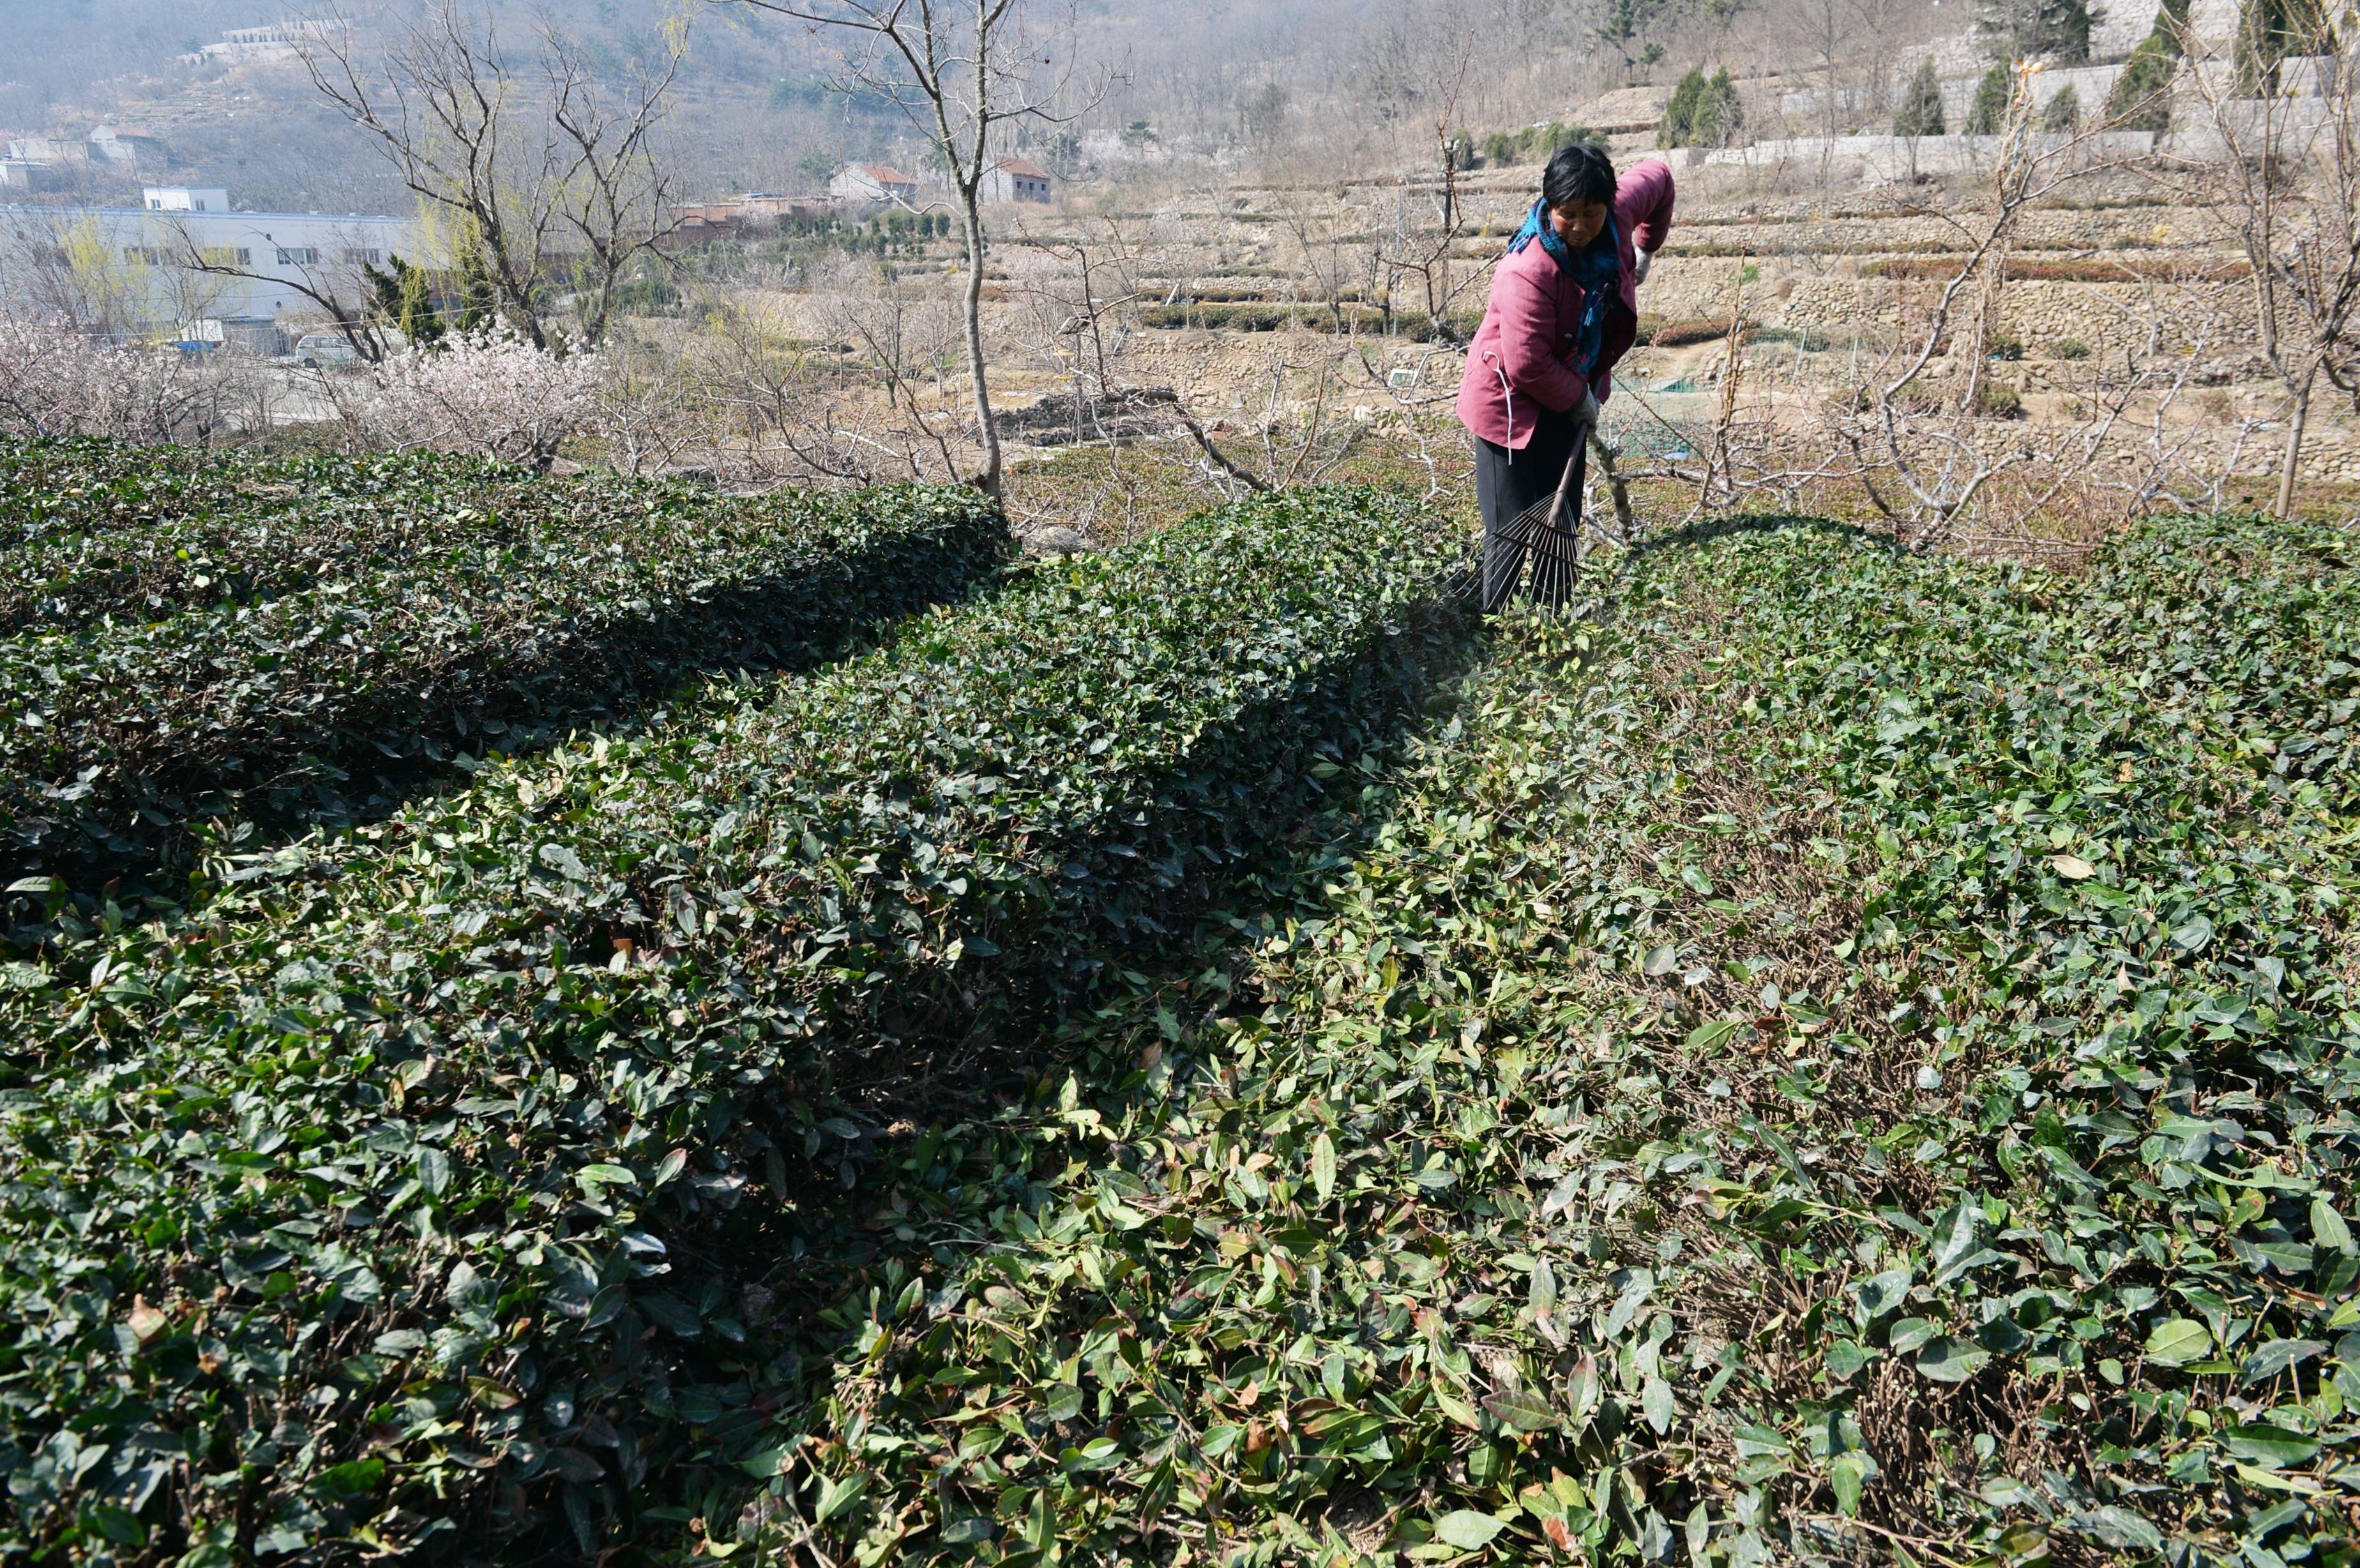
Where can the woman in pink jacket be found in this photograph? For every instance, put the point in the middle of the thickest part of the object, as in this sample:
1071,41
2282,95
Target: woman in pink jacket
1565,308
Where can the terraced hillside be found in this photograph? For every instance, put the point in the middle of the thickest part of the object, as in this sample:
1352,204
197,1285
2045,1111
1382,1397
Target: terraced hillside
1206,1053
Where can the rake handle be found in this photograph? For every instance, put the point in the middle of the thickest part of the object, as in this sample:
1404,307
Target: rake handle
1565,484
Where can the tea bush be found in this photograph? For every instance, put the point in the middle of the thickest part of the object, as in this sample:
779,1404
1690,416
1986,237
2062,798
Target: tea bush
99,529
1868,1043
411,1191
404,631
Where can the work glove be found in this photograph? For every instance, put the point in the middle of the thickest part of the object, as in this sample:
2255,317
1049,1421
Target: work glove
1640,261
1585,413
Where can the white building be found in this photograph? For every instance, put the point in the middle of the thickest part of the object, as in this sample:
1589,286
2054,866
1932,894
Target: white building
279,45
872,183
186,256
1013,180
185,199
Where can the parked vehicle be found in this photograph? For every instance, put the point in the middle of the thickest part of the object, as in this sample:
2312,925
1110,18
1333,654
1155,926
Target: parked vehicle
327,350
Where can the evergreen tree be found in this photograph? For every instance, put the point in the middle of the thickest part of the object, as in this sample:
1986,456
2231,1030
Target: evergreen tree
2271,30
1679,116
2141,99
1920,114
1720,115
2064,112
402,296
1988,117
385,291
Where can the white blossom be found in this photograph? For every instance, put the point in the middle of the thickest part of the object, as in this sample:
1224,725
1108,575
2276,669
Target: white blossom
489,392
56,382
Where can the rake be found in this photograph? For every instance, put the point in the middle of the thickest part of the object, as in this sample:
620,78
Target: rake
1548,532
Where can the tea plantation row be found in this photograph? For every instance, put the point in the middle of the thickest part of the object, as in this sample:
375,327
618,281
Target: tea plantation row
420,1190
400,628
94,529
1861,1057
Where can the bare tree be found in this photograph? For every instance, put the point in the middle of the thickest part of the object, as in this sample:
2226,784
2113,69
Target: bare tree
2282,183
549,187
337,284
962,71
1413,248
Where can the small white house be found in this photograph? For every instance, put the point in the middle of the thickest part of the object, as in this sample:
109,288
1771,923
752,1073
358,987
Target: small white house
872,182
186,199
1013,180
49,150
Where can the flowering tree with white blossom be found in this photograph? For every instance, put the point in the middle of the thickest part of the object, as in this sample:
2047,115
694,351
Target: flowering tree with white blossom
56,382
489,392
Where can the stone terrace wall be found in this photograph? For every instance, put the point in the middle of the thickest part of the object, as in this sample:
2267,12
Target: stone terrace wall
2106,317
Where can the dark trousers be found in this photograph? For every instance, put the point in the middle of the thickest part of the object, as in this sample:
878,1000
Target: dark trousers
1510,484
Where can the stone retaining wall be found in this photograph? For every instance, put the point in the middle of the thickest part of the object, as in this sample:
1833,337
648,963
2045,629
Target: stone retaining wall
2102,317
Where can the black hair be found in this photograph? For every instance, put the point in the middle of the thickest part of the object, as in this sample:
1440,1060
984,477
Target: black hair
1578,175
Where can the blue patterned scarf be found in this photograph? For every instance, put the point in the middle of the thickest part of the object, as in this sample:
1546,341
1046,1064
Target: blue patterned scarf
1597,267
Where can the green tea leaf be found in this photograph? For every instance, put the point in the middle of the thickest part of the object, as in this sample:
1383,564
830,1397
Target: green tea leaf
1522,1411
1848,1474
1948,1360
2327,1227
2271,1447
1655,1404
1710,1036
1466,1529
2179,1341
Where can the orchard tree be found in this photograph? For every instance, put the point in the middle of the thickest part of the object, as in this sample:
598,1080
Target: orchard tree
967,72
488,392
551,182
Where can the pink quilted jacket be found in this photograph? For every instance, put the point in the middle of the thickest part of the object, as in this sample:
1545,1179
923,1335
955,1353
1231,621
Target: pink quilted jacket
1517,366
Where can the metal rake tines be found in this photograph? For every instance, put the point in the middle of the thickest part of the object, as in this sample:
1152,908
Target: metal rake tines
1548,555
1541,545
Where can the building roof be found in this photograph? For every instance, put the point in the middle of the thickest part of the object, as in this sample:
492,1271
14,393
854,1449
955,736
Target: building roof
128,132
882,174
15,209
1023,170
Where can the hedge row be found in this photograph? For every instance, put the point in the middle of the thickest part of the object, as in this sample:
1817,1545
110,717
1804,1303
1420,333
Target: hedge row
389,1202
101,531
113,738
51,487
1868,1049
